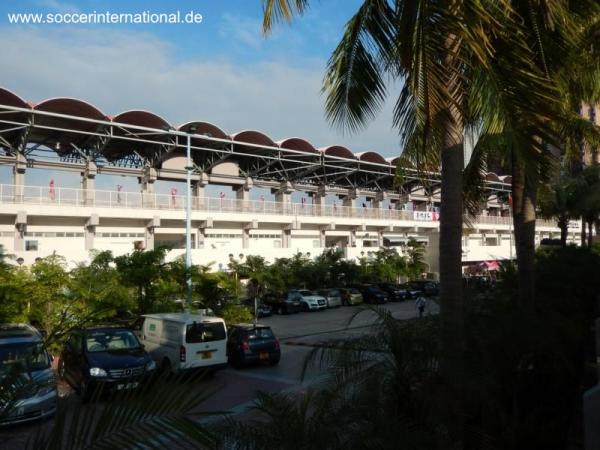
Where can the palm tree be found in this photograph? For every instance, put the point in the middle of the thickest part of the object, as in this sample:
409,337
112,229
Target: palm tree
558,201
552,49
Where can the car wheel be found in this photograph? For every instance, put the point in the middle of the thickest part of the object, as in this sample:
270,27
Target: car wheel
305,307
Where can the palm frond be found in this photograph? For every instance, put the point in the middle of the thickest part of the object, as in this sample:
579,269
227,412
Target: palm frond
275,11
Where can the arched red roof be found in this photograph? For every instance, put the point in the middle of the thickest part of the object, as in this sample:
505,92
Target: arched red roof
505,178
372,157
205,128
71,107
253,137
393,161
297,144
338,151
142,118
9,98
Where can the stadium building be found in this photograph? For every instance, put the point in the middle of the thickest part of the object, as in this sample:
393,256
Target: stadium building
251,195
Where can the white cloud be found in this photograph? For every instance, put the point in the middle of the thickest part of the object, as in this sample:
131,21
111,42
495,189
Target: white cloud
58,6
117,71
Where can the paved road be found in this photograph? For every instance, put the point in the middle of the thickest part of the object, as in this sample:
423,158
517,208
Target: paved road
237,388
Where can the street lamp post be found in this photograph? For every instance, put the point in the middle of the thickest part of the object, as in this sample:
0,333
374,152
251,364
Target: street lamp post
188,219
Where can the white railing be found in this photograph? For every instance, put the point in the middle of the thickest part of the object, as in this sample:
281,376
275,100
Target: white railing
60,196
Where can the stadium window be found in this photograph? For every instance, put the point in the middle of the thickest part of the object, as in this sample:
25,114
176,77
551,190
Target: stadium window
31,246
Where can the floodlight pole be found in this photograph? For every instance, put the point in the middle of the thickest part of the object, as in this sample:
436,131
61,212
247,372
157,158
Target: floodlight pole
188,222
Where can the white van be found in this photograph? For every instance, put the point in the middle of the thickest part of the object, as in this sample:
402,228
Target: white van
180,341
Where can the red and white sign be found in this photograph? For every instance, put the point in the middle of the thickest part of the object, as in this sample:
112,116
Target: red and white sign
426,215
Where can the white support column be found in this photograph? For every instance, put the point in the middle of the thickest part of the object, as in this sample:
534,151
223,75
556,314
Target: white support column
87,183
147,181
286,233
90,231
19,177
283,196
318,199
352,239
150,227
348,199
246,232
377,201
202,226
323,234
20,230
198,191
242,194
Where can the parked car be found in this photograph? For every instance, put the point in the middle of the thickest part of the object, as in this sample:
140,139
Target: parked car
280,304
249,344
106,358
185,341
309,300
27,365
372,294
262,309
394,292
351,296
410,291
332,296
426,287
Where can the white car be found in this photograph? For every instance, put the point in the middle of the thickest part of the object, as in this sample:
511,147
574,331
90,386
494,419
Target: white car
309,300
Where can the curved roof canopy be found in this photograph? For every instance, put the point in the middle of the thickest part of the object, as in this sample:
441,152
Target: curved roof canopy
137,139
65,142
12,131
371,157
145,143
338,151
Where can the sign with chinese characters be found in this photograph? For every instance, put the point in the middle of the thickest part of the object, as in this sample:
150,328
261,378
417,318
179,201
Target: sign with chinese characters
426,215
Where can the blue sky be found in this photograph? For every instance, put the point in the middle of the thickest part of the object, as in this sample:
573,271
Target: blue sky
222,70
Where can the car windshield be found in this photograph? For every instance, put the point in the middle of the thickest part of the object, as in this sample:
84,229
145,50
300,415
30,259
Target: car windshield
305,293
110,340
354,291
260,333
204,332
30,356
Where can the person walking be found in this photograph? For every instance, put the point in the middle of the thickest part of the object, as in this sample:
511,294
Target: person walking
421,304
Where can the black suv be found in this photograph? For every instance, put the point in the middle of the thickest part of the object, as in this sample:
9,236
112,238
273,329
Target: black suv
248,343
395,293
372,294
107,358
280,304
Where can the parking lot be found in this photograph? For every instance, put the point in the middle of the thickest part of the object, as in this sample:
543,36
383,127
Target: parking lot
236,389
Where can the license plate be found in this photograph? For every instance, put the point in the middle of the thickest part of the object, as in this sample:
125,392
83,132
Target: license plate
122,386
206,355
263,355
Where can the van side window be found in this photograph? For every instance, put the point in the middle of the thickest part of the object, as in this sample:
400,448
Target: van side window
205,332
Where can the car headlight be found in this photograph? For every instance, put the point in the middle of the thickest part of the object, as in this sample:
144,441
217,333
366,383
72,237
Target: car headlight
97,372
150,365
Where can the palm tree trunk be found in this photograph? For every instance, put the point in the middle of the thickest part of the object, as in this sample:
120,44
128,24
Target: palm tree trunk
563,224
590,237
524,187
450,254
583,233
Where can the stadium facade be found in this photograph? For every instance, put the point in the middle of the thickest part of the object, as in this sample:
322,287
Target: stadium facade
348,200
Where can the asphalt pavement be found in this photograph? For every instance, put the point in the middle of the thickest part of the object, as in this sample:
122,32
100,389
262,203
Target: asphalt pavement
237,389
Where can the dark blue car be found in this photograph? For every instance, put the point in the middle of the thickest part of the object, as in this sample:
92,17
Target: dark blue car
110,359
248,344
